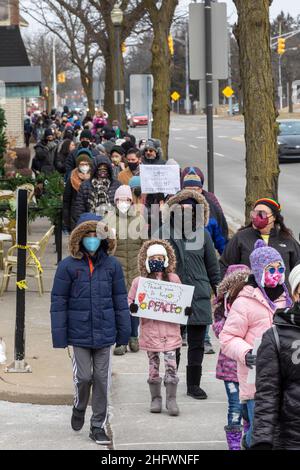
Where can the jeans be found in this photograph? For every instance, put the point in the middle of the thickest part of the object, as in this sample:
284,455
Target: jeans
135,321
234,415
250,409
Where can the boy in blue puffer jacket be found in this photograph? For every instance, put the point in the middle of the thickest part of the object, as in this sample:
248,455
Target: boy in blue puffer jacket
89,311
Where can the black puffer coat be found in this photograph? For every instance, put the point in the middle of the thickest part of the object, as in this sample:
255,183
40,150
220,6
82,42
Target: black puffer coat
277,399
82,201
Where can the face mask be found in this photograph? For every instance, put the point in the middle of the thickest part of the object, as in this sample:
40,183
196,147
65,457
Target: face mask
123,206
91,243
115,128
116,160
133,166
85,144
156,266
137,192
274,276
103,173
259,219
84,169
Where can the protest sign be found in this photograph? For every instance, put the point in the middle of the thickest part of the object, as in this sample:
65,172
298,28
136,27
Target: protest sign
164,301
252,372
160,179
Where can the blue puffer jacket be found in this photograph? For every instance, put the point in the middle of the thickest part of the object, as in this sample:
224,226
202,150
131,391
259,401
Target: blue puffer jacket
89,310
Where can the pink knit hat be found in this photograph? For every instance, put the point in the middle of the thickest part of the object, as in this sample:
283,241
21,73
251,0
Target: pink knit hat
123,192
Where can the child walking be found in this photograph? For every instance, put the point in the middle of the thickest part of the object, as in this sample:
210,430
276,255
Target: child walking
157,261
251,314
234,280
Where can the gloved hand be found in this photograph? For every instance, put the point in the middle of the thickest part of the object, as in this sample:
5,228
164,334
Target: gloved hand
133,307
188,311
250,359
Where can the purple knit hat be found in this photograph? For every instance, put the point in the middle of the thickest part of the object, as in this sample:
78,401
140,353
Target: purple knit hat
260,258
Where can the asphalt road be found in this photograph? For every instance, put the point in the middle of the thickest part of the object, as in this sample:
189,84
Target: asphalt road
188,147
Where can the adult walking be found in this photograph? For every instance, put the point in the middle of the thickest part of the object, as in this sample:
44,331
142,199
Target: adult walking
197,265
277,399
267,223
89,311
133,158
86,140
43,161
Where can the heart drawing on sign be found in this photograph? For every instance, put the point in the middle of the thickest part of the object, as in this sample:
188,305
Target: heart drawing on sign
141,297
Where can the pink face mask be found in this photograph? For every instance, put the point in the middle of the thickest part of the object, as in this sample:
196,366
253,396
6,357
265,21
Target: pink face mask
274,276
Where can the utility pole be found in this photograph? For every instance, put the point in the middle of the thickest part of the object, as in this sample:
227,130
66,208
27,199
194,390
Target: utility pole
229,72
279,74
209,95
54,76
187,84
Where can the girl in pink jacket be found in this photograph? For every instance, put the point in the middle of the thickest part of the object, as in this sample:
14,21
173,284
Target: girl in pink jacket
251,314
157,260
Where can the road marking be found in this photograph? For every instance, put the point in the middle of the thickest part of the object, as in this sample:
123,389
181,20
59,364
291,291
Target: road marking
175,129
219,154
178,138
240,138
222,136
193,146
201,137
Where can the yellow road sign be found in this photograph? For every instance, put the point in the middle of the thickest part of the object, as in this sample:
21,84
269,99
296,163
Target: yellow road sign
228,92
175,96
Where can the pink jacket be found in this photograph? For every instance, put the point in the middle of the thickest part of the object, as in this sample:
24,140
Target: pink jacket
249,317
157,336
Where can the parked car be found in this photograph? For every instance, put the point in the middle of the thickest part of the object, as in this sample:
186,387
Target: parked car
289,140
138,120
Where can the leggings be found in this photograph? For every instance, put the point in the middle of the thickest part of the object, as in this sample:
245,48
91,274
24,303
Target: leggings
170,367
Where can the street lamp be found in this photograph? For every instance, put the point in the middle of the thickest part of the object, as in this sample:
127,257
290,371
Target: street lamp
117,20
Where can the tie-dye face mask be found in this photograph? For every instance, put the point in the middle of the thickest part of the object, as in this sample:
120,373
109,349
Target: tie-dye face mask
274,276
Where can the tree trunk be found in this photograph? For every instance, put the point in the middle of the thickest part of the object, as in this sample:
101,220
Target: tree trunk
111,81
253,36
290,103
87,83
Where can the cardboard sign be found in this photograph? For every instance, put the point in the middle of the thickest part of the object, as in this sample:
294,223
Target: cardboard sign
252,372
163,301
160,179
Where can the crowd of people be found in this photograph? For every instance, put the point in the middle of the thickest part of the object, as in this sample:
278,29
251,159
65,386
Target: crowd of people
247,287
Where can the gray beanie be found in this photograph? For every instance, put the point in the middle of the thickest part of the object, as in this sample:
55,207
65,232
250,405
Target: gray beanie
294,278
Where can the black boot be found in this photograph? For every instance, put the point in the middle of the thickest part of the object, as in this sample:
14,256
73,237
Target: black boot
77,420
193,377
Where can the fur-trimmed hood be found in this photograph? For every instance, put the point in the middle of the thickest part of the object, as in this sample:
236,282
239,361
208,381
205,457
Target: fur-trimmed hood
79,232
233,283
181,196
143,256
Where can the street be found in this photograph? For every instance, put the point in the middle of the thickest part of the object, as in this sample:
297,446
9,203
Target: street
188,146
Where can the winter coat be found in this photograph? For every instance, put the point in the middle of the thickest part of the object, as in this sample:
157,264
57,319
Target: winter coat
241,245
196,267
43,160
82,202
125,175
226,368
89,309
155,161
217,224
277,398
128,248
249,317
60,159
69,205
155,335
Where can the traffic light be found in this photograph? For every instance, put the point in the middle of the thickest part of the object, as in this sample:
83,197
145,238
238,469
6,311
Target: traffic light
123,47
61,77
171,44
281,46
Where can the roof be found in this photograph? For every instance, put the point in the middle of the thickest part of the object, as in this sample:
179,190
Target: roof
12,49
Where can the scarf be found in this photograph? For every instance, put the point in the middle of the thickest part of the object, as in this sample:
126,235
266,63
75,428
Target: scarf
99,194
78,178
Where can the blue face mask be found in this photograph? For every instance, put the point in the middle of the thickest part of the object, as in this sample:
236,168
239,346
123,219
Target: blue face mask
156,266
91,243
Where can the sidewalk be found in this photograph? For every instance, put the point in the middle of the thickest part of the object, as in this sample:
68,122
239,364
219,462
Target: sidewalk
200,425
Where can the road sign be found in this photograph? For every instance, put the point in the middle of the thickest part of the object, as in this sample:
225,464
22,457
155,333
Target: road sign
228,92
175,96
202,93
119,97
197,41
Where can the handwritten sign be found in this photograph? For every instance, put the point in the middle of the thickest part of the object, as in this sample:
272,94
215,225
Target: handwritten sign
252,372
160,179
164,301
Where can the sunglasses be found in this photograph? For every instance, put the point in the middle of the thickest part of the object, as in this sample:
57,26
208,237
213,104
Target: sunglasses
261,214
273,270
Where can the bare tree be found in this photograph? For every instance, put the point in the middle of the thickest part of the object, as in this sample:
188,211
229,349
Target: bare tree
253,36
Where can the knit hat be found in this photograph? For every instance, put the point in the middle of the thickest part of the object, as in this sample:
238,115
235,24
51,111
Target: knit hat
83,158
47,133
150,144
84,151
260,258
294,278
155,250
123,192
135,182
192,177
86,134
271,203
118,149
